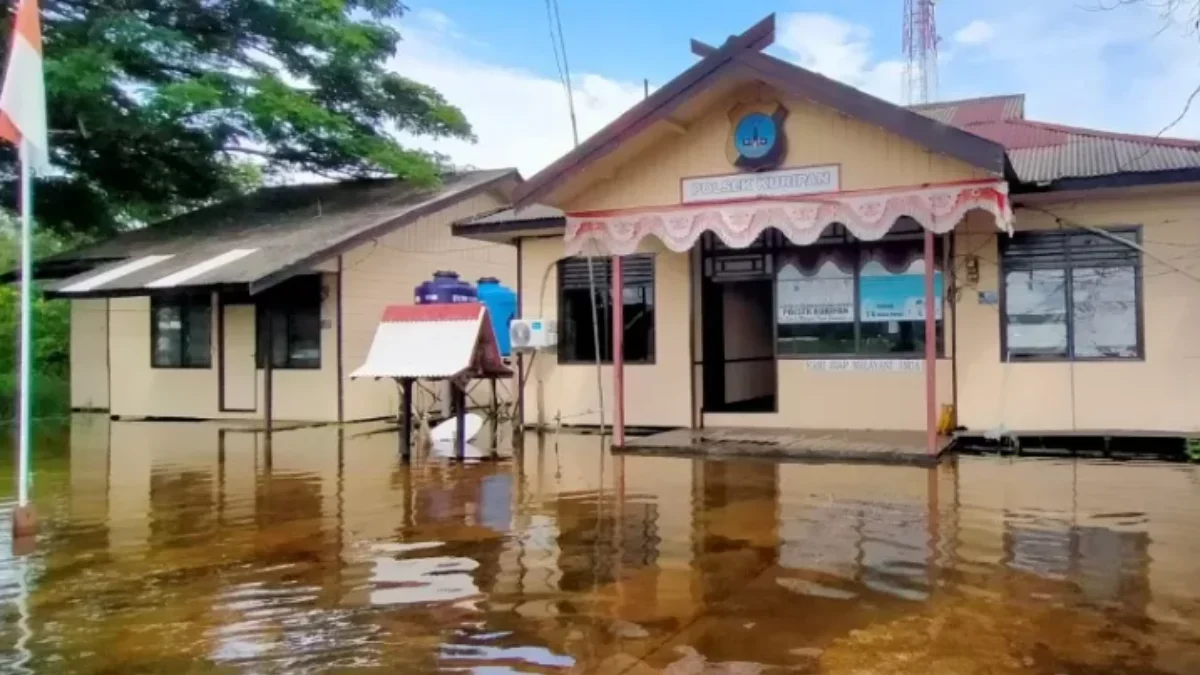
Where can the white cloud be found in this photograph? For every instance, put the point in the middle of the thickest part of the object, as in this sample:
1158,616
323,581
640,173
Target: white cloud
840,50
433,18
1102,69
520,117
975,33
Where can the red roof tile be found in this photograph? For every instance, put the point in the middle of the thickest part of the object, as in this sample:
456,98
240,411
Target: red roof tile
1042,152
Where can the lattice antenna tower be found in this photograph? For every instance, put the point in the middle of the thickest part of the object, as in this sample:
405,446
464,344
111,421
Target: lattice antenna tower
920,51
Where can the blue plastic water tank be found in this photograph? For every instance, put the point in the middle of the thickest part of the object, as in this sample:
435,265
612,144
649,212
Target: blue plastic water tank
445,287
501,303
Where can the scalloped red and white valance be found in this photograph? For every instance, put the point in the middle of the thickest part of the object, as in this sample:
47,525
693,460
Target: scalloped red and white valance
868,215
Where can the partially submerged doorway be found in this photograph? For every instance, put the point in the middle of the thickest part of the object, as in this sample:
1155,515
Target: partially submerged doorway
737,304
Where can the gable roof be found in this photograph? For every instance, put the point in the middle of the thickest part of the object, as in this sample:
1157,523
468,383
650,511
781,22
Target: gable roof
260,239
1043,153
740,54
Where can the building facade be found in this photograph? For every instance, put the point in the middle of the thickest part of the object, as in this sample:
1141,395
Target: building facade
776,277
197,349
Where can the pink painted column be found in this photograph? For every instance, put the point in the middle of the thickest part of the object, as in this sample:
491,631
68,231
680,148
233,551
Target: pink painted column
618,355
930,351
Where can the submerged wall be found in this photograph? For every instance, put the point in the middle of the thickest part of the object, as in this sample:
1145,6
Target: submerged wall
139,390
1158,393
385,272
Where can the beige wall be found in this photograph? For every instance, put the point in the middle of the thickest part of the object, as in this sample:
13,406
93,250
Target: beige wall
385,272
1160,393
375,274
655,394
89,354
869,157
141,391
658,394
838,400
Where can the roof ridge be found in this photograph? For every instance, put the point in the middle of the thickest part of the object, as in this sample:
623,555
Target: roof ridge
960,101
1100,133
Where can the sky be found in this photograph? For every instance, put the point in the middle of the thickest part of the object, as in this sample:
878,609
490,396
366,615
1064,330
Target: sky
1126,69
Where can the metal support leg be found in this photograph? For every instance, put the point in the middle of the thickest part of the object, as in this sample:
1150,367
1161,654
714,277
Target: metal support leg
406,419
460,422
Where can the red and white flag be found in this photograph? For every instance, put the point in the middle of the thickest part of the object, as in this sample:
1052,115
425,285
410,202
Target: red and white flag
23,100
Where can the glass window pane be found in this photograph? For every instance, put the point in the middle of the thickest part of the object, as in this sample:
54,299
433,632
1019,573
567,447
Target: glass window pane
892,299
279,338
168,345
814,300
199,336
1104,303
305,333
1036,311
639,323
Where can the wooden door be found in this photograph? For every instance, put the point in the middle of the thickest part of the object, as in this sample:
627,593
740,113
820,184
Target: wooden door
239,386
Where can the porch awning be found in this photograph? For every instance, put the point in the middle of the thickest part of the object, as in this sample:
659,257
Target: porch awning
867,214
434,342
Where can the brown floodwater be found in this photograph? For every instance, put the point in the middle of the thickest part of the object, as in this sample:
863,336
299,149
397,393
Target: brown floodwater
185,548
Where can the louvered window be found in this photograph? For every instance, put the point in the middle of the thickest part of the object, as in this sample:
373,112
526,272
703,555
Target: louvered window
1072,295
577,339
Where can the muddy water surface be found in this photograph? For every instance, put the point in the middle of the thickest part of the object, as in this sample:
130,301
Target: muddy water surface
184,548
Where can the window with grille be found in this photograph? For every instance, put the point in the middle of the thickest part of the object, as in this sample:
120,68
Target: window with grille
1071,295
576,339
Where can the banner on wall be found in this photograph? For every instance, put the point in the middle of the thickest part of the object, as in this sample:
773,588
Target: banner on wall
826,297
898,297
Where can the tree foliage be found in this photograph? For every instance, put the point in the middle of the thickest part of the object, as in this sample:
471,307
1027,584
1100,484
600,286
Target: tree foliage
159,105
51,333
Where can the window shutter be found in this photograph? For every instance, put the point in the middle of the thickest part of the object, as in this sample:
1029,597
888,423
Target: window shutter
574,273
1032,250
638,269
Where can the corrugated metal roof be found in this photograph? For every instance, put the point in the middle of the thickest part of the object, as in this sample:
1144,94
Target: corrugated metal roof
250,239
531,212
1041,152
972,110
431,342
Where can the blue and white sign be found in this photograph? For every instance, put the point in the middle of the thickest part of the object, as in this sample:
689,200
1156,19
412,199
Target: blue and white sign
757,140
755,135
897,297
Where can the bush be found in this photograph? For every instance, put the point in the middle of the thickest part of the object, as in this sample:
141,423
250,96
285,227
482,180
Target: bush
51,396
51,335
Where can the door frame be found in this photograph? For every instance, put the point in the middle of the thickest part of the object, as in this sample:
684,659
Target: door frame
220,326
761,258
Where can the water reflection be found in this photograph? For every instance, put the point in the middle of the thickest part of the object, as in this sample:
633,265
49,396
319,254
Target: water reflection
176,547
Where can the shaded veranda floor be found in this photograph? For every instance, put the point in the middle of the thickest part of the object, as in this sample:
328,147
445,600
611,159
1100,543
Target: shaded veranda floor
177,548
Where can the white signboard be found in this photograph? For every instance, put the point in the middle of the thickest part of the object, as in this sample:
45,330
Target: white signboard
782,183
866,365
825,297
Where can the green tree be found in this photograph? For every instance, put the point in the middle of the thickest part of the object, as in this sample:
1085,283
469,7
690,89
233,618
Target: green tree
160,105
51,332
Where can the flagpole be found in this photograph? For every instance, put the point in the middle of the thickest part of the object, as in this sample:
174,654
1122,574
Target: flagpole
24,520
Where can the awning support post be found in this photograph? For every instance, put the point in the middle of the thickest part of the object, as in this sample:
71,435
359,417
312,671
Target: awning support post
460,420
268,373
930,351
618,353
406,419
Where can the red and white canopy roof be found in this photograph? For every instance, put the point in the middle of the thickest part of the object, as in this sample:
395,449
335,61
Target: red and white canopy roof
867,214
434,342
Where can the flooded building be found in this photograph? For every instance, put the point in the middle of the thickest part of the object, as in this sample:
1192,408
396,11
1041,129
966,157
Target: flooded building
176,320
776,238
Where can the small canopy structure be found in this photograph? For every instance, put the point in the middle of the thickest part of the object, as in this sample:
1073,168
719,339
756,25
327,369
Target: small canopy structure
453,342
434,342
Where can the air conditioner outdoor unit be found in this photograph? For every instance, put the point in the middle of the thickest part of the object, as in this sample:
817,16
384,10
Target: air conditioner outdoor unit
533,334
